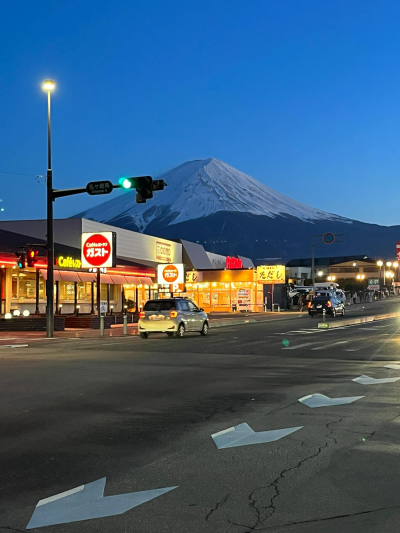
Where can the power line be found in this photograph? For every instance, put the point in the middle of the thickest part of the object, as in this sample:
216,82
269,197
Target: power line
19,174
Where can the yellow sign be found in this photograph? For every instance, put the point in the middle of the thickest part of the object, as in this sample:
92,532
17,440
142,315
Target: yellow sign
272,274
68,262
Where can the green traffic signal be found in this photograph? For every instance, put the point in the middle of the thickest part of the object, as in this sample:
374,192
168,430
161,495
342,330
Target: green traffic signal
126,183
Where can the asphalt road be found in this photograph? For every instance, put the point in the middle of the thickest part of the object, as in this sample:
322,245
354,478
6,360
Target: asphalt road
141,413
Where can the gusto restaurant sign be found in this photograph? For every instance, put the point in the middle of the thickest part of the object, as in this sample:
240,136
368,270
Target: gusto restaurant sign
169,274
98,249
233,262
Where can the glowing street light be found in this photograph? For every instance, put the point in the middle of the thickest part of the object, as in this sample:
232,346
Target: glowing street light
48,86
320,273
389,264
380,264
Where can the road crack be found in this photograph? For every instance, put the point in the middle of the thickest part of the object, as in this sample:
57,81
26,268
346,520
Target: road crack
326,519
217,506
264,513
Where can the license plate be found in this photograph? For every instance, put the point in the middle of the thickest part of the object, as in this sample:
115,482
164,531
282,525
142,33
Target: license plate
319,306
156,317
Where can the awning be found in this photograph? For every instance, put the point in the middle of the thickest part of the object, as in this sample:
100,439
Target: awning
87,276
118,280
106,278
132,280
146,281
57,276
72,277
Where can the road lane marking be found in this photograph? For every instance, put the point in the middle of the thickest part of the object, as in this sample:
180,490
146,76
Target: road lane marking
326,346
353,349
87,502
320,400
298,346
243,435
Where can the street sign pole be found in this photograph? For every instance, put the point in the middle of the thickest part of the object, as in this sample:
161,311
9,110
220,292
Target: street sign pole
326,238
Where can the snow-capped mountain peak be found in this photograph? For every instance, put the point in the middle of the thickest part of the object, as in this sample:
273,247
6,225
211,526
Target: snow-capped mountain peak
200,188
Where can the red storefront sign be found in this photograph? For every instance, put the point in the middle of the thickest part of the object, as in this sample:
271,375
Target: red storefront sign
98,250
233,262
398,251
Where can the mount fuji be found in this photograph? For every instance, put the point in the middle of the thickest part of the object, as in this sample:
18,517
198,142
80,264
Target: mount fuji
210,202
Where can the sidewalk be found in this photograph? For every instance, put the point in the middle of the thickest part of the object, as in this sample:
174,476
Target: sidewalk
217,320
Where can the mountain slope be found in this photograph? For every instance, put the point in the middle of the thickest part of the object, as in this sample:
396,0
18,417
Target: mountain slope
201,188
231,213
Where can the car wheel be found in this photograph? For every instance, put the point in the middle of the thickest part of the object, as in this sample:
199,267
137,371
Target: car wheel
181,331
170,334
144,335
310,314
204,331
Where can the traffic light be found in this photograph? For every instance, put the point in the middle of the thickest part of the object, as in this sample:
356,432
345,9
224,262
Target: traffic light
158,185
31,257
144,186
21,261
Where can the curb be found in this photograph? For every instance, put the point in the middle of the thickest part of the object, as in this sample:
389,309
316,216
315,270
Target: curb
233,323
354,321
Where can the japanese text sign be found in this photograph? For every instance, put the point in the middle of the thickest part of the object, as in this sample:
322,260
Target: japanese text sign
168,274
272,274
98,249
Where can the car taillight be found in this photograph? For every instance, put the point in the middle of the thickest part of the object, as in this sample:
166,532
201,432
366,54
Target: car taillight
328,304
309,304
173,314
142,314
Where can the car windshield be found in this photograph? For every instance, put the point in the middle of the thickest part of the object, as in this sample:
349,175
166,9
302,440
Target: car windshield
320,299
159,305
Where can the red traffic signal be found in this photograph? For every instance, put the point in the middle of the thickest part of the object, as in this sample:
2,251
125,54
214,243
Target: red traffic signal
31,257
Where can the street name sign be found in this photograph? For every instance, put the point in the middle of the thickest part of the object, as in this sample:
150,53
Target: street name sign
99,187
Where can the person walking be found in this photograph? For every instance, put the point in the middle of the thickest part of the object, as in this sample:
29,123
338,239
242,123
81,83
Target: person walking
301,302
354,298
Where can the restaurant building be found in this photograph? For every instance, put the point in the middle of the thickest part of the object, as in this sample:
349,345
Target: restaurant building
215,282
129,284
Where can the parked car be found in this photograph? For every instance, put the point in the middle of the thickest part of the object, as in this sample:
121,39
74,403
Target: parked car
332,306
173,316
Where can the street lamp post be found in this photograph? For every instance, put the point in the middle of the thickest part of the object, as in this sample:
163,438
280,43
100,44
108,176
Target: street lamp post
380,263
48,86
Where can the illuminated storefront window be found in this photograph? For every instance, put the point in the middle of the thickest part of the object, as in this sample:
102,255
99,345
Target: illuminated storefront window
224,296
24,286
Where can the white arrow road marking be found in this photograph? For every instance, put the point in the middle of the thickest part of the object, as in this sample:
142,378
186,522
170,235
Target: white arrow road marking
319,400
366,380
86,502
243,435
393,367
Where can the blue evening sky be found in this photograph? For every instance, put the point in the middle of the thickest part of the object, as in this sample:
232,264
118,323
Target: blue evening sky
302,95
